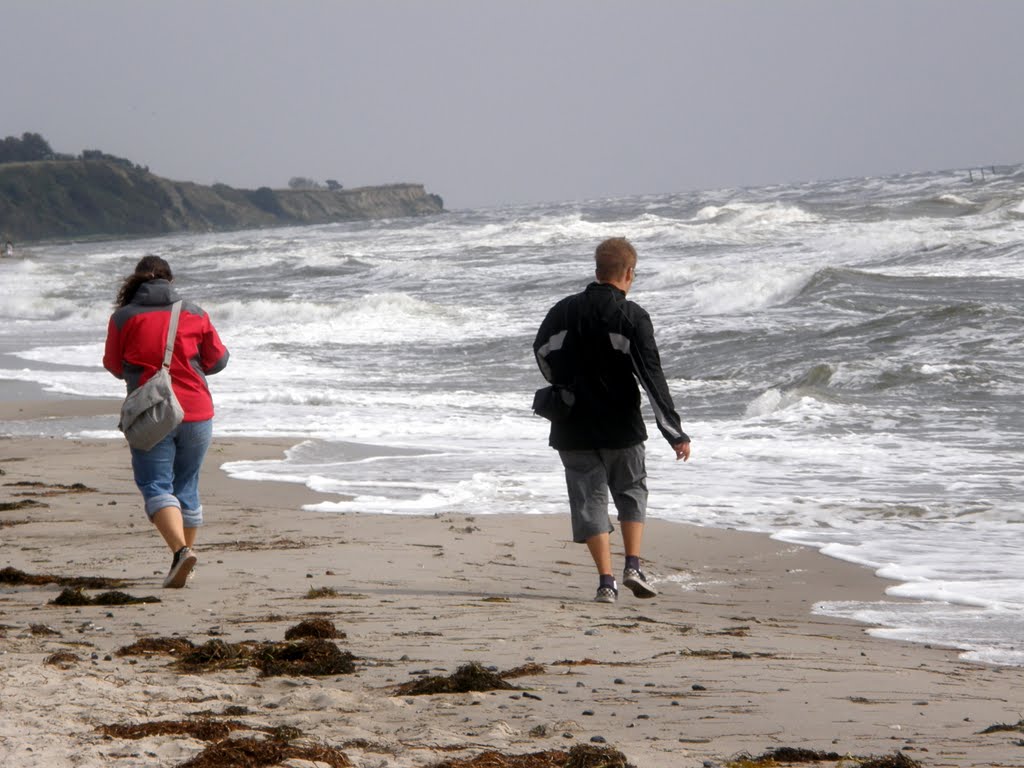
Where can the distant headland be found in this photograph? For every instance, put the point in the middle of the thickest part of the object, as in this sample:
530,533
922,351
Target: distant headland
46,195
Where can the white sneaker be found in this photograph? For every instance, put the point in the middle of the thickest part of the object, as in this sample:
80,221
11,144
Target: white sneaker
182,565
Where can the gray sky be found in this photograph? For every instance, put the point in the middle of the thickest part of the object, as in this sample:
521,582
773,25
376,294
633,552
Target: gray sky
495,101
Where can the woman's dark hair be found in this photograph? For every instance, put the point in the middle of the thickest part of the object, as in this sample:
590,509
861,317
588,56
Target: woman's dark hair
148,268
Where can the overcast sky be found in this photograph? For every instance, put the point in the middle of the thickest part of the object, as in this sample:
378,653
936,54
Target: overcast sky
500,101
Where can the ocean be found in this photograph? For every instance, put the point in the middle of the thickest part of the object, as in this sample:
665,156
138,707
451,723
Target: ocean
846,355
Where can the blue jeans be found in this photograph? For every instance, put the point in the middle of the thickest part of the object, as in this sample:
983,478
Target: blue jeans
168,473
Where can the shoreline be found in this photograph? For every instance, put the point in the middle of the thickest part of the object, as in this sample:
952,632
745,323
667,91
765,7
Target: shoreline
729,658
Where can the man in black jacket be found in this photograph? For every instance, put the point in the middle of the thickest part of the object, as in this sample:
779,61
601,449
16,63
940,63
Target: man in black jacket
598,345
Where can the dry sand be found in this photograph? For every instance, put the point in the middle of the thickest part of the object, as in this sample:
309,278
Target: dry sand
729,659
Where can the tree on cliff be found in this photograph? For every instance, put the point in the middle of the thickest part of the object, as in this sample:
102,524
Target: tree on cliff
30,148
301,182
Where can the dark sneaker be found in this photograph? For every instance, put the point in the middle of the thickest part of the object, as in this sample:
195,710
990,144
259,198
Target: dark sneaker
634,580
606,595
182,565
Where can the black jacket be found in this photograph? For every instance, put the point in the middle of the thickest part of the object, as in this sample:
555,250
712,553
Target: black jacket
600,344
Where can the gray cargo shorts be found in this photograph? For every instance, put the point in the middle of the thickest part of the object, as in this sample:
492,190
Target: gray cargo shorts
590,474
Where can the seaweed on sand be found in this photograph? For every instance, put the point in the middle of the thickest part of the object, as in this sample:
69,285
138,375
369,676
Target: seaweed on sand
256,753
895,760
315,593
202,729
313,628
580,756
15,577
51,489
1019,726
75,596
314,657
469,677
62,659
10,506
532,668
149,646
794,755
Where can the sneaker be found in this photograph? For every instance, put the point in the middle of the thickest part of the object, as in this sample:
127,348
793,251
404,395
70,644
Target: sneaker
635,581
181,567
606,595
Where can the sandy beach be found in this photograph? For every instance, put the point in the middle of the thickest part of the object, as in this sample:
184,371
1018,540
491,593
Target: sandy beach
729,660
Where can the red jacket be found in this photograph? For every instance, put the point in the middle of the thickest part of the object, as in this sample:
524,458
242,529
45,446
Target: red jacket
137,334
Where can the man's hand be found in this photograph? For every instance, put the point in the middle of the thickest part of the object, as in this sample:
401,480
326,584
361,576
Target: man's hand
682,451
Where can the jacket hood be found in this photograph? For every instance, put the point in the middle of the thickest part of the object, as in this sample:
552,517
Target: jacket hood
155,293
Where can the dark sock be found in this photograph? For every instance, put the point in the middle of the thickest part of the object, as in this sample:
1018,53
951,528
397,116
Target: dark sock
633,561
607,580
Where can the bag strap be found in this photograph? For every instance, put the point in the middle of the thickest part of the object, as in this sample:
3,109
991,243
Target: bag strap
172,333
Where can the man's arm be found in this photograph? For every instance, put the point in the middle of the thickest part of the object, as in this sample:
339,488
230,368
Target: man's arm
647,367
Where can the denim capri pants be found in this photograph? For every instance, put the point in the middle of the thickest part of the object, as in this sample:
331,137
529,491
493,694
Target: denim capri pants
168,473
590,474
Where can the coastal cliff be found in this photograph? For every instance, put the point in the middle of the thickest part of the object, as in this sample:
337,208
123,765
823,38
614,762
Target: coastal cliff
109,197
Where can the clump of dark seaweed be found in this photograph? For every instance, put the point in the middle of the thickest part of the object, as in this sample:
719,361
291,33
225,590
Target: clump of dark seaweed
793,755
316,593
75,596
315,657
256,753
200,728
10,506
14,577
895,760
216,654
321,628
533,668
42,629
150,646
1019,726
580,756
62,659
469,677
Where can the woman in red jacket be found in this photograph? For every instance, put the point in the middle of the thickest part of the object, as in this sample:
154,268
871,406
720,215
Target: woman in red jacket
168,474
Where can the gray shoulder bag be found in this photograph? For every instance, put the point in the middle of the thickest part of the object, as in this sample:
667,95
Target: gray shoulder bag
152,411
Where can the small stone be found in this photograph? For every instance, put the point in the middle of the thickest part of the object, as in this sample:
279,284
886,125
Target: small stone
588,713
591,632
580,684
566,735
619,681
598,739
698,687
675,703
643,717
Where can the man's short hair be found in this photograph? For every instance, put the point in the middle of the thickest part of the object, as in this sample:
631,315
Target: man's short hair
613,257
